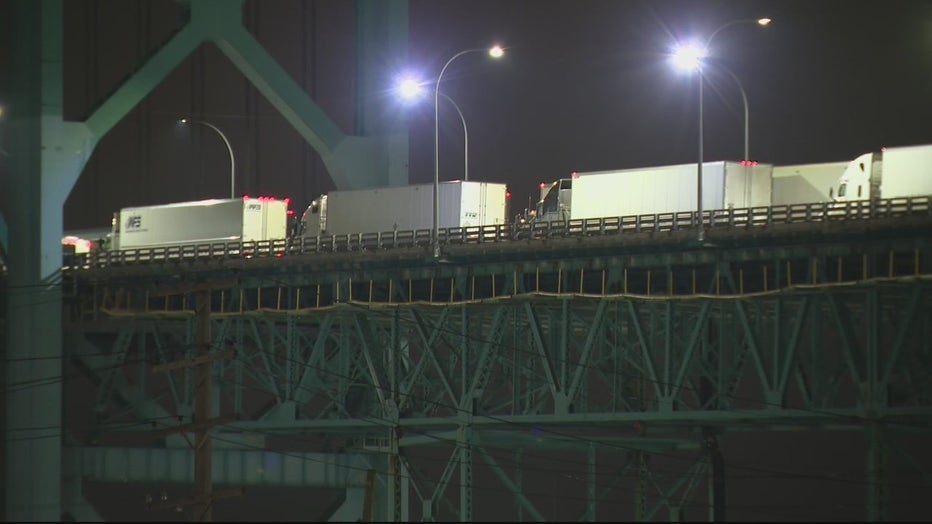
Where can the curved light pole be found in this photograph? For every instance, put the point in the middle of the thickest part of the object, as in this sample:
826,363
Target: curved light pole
229,149
465,137
763,22
494,52
691,58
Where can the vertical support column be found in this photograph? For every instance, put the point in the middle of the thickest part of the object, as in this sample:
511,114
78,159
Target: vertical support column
238,363
381,30
716,478
465,444
519,479
203,448
877,496
394,475
467,409
591,483
395,470
45,157
877,499
640,490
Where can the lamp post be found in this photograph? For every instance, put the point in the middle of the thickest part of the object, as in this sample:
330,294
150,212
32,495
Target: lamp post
763,22
744,99
465,137
691,57
229,149
494,52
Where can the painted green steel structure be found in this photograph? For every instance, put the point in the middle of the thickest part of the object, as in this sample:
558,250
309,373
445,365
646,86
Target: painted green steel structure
600,352
49,155
599,361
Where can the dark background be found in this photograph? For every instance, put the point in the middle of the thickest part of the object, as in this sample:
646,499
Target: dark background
585,86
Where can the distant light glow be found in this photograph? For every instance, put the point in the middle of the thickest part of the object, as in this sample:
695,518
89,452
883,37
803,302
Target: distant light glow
496,51
409,88
574,174
764,22
688,57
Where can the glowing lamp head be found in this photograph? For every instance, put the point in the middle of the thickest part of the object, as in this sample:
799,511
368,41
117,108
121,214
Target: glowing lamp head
409,88
764,22
497,51
688,57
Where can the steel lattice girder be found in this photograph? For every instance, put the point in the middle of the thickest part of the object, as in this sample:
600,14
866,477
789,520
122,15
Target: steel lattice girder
591,369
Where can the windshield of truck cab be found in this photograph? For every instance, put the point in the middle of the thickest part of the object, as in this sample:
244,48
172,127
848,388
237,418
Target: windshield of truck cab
551,203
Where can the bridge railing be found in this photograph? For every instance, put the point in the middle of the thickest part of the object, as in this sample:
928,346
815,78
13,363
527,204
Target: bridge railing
649,223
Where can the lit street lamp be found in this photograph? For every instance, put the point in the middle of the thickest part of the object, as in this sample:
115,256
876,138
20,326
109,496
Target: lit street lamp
494,52
465,137
690,58
229,149
410,89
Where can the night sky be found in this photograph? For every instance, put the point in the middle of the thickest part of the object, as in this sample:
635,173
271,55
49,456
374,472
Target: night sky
585,85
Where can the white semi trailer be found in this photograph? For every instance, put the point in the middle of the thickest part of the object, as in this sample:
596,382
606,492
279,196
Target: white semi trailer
891,172
806,183
663,189
200,222
400,208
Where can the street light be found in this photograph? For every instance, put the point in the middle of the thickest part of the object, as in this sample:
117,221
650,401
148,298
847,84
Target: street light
763,22
465,137
229,149
410,89
690,57
494,52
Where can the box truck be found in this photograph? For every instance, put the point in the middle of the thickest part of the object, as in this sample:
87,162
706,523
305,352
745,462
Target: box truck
200,222
401,208
663,189
891,172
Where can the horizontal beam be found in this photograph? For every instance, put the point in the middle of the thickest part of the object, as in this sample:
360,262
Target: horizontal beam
791,419
230,466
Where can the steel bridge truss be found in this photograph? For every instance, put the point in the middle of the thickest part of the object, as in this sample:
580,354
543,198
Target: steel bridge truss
456,379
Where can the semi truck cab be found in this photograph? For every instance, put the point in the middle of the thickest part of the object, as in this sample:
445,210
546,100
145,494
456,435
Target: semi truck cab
855,182
555,201
314,220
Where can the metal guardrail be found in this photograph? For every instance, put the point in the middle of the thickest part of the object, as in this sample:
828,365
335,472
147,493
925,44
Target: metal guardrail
659,222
